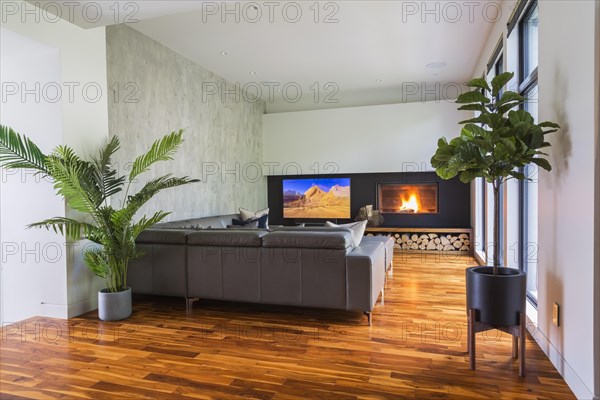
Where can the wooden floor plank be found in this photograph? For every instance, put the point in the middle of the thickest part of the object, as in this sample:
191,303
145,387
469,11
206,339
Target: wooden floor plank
416,348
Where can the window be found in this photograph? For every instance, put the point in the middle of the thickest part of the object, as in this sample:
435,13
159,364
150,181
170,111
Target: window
484,210
528,88
480,217
529,41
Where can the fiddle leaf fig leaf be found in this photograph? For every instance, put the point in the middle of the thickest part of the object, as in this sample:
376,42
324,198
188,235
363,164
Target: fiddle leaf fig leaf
467,176
548,124
542,163
500,81
479,83
474,96
518,175
473,107
520,115
511,99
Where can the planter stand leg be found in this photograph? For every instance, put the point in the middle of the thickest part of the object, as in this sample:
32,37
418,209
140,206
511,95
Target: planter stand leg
522,337
391,268
515,347
471,339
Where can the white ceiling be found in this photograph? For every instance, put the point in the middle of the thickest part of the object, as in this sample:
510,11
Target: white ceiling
369,52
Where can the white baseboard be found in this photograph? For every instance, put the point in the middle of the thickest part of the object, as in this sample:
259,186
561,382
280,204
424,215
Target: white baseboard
573,380
54,310
83,306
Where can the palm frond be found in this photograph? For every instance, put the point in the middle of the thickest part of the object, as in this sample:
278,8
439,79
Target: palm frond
97,260
17,151
104,175
149,190
161,150
72,229
145,223
73,180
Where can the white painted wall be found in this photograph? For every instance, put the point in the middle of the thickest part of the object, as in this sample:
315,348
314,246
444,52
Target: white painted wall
383,138
84,116
32,263
566,195
566,225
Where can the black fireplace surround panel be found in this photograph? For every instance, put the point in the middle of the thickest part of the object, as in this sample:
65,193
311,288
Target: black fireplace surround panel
454,199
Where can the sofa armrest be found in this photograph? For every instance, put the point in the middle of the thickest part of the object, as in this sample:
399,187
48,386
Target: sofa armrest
365,276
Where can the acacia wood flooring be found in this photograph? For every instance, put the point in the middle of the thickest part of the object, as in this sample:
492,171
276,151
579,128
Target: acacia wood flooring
416,348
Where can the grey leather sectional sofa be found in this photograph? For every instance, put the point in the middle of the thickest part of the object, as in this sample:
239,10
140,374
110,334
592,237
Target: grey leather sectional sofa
309,267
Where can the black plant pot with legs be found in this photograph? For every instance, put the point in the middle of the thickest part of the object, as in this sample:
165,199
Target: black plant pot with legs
497,299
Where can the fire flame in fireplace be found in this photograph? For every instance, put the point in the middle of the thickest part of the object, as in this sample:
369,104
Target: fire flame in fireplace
411,205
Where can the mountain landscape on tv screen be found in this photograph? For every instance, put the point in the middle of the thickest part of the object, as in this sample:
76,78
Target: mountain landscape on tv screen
318,201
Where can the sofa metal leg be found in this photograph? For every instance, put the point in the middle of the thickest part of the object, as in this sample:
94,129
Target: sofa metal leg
391,268
189,304
368,314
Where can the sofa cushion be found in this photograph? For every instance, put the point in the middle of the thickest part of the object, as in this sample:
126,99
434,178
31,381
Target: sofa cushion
219,221
164,236
309,228
227,238
357,228
388,244
341,240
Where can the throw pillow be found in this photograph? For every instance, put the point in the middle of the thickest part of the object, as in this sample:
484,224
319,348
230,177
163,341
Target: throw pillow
357,228
248,225
262,222
247,214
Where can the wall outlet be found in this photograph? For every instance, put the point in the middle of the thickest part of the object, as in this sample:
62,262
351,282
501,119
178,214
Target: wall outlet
555,314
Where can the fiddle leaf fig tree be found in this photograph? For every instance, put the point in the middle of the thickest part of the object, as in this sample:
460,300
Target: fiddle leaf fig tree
496,144
87,187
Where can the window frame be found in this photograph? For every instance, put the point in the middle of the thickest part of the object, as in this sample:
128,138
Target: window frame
526,83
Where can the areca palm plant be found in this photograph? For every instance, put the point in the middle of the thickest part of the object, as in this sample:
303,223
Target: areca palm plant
86,186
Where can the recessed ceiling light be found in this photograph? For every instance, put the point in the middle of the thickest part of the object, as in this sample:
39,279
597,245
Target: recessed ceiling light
252,72
436,65
224,53
378,80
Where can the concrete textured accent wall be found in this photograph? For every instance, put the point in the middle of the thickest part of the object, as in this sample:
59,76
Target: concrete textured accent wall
154,91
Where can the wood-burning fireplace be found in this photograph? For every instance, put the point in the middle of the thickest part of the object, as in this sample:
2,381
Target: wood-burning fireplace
408,198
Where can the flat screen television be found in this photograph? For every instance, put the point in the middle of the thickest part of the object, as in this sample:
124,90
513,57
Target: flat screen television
316,198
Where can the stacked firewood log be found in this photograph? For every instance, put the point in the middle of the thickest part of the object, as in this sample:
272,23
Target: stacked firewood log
430,241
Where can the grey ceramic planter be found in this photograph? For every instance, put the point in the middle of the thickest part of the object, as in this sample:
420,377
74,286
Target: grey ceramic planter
114,306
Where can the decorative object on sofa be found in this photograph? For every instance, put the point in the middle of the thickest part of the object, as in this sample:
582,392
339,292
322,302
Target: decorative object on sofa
87,187
373,217
494,146
357,229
